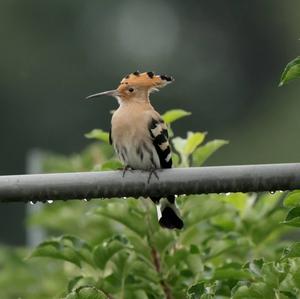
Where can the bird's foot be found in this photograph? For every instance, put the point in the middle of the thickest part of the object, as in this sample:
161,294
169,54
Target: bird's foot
124,169
153,171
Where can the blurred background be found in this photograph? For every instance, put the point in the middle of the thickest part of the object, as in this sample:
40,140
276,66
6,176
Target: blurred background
226,57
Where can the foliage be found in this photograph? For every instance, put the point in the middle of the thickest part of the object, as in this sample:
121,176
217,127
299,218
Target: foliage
291,71
21,278
231,245
98,134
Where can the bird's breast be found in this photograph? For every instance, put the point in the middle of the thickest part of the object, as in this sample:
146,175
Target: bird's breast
129,128
132,141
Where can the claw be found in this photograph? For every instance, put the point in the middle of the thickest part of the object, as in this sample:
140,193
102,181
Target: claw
124,169
152,172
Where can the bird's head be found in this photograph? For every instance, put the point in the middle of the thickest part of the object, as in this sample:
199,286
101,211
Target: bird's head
137,86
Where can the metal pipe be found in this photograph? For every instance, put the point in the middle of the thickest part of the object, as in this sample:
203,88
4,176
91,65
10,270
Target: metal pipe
195,180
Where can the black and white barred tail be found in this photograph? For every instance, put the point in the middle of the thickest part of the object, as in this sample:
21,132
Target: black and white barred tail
168,213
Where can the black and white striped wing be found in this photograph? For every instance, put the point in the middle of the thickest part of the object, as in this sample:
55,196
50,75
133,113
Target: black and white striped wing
160,138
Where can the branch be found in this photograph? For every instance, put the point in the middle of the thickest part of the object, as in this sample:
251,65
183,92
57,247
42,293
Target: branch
156,262
195,180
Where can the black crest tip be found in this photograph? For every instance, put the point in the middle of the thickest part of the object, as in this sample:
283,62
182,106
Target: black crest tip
167,78
150,74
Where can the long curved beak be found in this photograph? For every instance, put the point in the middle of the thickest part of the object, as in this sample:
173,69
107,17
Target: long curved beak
112,93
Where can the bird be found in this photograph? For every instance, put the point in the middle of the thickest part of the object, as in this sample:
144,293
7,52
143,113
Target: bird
140,136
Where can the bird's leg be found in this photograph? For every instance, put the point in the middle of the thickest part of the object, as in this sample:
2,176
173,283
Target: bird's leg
152,172
125,168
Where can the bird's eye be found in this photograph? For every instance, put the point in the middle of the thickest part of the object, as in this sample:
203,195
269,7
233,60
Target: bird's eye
131,89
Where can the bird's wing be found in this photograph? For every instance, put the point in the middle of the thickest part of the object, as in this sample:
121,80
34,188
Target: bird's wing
160,138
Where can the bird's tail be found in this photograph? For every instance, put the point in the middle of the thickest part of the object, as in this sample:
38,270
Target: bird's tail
168,213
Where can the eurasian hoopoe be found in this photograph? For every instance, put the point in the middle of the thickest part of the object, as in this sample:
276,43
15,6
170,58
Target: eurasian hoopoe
140,136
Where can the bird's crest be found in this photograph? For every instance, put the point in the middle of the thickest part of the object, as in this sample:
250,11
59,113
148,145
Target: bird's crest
146,79
136,85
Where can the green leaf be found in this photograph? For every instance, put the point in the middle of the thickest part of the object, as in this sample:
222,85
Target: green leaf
193,141
287,295
173,115
53,249
254,267
273,273
293,217
98,134
175,159
111,165
202,153
294,270
120,266
72,283
292,199
292,251
162,239
228,272
141,270
185,147
291,71
179,144
67,248
86,292
218,247
112,283
257,290
238,200
196,290
127,214
103,252
80,281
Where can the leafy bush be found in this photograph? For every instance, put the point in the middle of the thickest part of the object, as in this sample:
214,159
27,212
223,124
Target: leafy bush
232,246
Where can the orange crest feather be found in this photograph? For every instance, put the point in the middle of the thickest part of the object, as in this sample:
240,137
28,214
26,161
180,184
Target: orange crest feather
146,80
